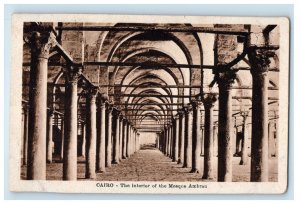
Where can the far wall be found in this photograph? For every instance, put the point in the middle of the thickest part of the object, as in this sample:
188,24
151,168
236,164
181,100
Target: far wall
147,138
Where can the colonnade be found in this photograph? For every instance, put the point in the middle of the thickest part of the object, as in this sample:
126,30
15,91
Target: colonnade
100,148
188,144
109,137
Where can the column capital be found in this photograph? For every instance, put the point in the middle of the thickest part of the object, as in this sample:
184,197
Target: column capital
101,102
259,58
176,117
209,100
122,118
92,94
196,104
226,78
188,108
41,42
117,113
72,74
244,114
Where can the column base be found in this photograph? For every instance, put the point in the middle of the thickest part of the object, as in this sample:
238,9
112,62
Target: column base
195,171
115,162
207,177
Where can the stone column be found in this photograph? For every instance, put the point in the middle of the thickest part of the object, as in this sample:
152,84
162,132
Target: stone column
259,60
25,137
181,136
109,138
49,136
157,141
100,167
188,139
176,138
124,140
215,132
40,44
121,137
128,140
244,155
62,136
209,100
131,140
134,141
167,140
225,81
116,140
70,125
202,140
83,144
237,141
91,135
170,141
196,138
137,141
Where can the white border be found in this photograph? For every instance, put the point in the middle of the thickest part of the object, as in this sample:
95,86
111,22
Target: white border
15,184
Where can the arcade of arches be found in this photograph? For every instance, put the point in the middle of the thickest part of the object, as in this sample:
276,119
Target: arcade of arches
95,95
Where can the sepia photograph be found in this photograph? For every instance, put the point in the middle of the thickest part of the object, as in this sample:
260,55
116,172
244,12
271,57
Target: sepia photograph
149,104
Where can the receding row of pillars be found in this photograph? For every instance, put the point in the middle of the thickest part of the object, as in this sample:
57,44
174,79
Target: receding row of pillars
181,140
107,138
41,42
101,147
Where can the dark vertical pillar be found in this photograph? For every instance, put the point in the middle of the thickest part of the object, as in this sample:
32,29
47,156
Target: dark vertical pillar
128,140
244,151
209,101
188,139
121,137
196,138
116,140
70,139
167,140
109,138
215,132
101,132
176,139
225,81
259,60
91,135
62,136
181,132
40,45
124,140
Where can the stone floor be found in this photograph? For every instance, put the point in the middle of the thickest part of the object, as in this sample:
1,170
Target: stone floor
149,164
